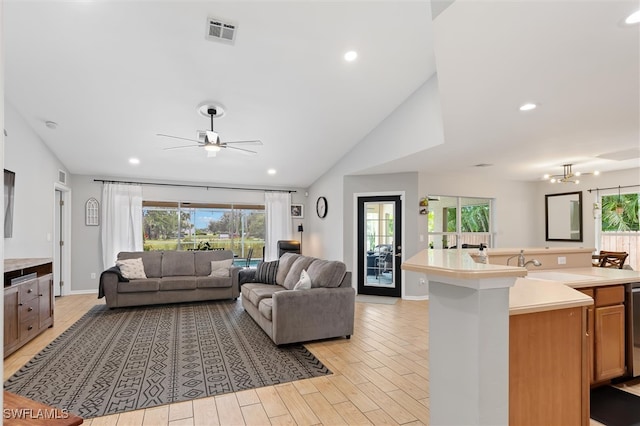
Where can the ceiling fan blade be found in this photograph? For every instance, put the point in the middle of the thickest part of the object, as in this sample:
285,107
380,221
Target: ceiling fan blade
256,142
178,137
183,146
244,151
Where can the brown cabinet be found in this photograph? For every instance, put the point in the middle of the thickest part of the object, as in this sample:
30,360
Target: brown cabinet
606,333
548,368
28,306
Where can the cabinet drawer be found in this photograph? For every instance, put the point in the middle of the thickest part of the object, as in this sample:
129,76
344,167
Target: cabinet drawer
612,295
28,329
28,290
29,310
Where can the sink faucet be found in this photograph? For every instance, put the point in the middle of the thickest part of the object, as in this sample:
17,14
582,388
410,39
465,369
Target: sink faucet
522,261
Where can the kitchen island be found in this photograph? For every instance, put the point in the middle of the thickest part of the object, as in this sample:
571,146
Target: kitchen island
542,324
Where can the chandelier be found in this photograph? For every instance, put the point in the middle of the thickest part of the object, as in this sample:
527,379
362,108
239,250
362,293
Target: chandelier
568,176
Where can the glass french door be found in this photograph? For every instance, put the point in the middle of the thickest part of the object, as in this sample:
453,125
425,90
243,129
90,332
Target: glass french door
379,249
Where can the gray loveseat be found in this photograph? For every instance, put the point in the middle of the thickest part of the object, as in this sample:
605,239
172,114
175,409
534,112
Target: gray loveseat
172,276
287,316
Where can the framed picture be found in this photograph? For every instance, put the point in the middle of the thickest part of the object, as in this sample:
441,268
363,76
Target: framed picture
297,211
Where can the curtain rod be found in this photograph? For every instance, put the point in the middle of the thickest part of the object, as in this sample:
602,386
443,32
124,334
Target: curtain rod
612,187
195,186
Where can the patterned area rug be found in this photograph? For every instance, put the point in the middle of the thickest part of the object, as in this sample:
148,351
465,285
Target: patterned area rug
126,359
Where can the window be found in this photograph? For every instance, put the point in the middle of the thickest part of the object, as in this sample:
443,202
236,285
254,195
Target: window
458,221
198,226
619,227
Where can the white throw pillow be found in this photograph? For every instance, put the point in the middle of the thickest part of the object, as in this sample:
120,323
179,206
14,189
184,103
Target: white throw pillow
132,269
304,283
220,268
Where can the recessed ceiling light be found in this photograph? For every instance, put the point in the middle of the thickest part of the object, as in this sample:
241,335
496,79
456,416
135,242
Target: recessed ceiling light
528,106
350,56
272,171
134,161
634,18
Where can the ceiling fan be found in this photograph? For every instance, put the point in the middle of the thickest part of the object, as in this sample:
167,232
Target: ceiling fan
211,139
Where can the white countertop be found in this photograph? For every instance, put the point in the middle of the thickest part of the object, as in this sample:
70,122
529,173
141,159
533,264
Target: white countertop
529,294
458,264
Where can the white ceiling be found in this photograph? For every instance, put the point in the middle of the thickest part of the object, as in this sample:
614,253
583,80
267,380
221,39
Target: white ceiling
574,58
113,74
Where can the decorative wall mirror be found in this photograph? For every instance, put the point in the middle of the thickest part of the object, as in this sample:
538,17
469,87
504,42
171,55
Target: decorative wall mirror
563,216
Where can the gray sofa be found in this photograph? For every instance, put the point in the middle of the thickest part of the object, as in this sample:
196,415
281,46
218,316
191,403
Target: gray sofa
172,276
326,310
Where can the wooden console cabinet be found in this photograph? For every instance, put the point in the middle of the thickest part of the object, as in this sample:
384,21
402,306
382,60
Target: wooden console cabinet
28,301
606,333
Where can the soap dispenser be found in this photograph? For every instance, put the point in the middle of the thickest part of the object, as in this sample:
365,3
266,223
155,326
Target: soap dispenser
482,254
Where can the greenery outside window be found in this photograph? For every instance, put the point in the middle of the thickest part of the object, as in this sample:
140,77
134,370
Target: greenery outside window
203,226
619,226
459,222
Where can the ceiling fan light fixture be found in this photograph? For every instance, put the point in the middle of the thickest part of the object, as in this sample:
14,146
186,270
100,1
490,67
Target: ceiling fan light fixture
568,175
211,147
212,136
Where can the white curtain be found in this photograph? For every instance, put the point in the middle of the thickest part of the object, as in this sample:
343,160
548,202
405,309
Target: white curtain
277,212
121,221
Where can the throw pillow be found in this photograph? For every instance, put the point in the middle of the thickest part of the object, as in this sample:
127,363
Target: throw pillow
131,269
304,283
220,268
266,272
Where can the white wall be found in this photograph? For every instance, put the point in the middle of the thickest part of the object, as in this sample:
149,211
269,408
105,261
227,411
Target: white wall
86,245
36,169
515,208
605,180
414,126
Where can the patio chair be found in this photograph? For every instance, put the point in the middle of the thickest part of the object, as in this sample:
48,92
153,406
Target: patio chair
249,256
611,259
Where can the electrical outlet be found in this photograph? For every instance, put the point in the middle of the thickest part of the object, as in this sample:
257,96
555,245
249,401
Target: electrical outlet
562,260
93,275
422,281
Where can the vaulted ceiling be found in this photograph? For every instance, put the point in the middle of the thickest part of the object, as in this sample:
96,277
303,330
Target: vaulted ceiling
114,74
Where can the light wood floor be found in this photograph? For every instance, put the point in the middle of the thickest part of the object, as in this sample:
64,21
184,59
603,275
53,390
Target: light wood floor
380,376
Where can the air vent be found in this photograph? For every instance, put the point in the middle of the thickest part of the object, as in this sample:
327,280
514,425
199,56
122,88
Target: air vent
221,31
62,176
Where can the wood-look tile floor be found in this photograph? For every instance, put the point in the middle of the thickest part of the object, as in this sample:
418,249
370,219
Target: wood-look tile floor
380,376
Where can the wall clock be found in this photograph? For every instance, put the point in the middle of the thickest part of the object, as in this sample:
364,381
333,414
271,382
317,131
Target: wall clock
321,207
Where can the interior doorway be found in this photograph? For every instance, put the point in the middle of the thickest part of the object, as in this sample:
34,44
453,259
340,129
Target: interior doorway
61,240
379,245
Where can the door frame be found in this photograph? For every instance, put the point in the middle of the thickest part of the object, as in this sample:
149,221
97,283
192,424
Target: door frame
354,239
65,193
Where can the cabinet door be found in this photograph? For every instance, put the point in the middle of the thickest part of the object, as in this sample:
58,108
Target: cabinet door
45,294
11,322
609,347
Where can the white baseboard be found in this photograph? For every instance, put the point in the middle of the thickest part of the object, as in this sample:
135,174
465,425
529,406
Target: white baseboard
416,297
74,292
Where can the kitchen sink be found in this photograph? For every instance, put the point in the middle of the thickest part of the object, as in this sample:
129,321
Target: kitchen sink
559,276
